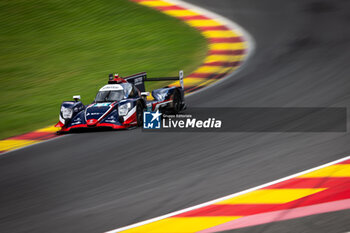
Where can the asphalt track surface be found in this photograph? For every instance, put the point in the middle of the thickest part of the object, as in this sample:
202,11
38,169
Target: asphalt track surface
94,182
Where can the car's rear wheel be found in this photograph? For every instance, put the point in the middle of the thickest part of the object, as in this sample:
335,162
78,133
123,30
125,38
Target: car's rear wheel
176,106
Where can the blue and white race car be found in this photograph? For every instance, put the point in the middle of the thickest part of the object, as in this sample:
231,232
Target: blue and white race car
120,104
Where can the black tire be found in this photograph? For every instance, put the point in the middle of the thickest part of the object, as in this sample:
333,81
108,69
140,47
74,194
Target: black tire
176,105
139,114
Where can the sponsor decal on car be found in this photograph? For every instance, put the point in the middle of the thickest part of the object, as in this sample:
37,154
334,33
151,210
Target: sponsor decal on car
138,81
102,104
112,87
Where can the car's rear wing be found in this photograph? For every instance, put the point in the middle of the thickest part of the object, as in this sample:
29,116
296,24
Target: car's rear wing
139,79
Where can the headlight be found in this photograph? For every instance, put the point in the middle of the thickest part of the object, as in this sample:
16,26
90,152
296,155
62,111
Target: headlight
67,113
124,109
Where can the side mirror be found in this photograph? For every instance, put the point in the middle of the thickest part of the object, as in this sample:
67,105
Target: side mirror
76,98
144,93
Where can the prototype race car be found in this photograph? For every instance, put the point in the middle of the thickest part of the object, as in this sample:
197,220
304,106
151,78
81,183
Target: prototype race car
120,104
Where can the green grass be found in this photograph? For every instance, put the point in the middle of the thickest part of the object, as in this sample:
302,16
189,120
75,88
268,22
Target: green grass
51,50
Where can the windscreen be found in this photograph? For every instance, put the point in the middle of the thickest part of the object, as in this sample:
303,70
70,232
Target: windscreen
109,96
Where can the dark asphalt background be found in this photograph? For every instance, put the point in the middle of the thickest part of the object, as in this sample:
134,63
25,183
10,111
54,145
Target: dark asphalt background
94,182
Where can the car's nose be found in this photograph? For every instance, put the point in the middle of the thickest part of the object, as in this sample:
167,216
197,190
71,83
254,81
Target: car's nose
92,122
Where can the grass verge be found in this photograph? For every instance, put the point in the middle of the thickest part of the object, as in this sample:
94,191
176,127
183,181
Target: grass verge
53,49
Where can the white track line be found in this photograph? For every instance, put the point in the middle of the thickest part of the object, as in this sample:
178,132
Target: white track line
226,197
250,49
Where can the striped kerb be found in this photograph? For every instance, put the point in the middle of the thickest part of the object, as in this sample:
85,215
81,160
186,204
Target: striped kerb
320,191
227,48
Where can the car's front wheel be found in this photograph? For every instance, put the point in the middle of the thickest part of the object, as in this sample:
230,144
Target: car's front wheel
139,114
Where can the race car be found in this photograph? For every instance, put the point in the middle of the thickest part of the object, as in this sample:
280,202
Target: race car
120,104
